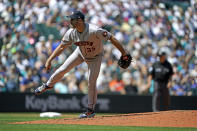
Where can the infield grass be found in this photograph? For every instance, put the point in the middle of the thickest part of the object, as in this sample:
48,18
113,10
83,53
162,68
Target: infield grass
7,118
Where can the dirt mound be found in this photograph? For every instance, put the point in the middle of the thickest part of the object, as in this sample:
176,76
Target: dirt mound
155,119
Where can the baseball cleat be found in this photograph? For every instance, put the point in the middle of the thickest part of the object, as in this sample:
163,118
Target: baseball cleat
88,114
42,89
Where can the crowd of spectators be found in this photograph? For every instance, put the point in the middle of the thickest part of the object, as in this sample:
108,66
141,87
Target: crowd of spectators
143,27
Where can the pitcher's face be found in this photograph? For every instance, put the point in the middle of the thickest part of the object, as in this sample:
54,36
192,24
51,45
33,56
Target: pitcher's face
74,22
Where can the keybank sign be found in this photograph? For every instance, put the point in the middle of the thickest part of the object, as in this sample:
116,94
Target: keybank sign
52,102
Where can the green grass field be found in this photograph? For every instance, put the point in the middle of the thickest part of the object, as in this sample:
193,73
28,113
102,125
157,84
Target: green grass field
7,118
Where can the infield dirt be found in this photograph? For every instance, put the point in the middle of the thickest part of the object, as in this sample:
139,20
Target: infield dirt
176,118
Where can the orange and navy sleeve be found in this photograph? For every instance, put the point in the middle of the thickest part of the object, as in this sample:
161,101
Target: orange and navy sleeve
103,34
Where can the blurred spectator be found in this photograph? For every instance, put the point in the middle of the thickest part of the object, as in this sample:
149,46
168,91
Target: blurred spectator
41,48
129,83
2,78
83,87
72,84
43,75
61,87
12,79
27,83
116,86
49,43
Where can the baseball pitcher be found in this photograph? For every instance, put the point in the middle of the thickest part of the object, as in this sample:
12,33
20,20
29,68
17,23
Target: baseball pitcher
88,39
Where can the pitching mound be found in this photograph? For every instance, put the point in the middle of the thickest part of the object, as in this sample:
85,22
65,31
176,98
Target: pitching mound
158,119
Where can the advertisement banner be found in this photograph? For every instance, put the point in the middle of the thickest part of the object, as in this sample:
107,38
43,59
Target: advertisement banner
27,102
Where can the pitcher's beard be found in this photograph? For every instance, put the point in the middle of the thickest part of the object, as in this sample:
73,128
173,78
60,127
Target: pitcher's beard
74,25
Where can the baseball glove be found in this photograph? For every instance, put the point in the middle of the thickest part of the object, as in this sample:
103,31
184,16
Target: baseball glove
125,61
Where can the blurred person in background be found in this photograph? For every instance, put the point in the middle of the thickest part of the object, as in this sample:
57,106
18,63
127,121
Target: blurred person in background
61,87
72,84
12,79
129,83
83,87
161,72
116,85
27,82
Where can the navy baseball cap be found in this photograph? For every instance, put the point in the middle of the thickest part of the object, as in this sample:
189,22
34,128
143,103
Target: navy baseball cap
77,15
161,53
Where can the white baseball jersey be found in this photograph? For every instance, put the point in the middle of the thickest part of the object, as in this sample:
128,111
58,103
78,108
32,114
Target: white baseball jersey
89,41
